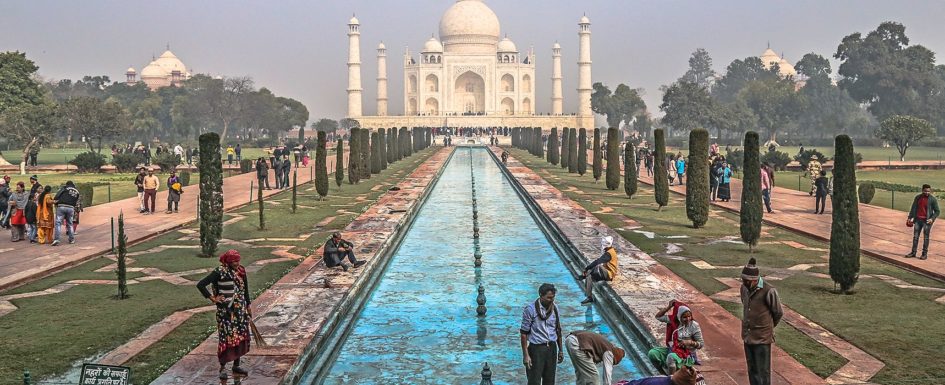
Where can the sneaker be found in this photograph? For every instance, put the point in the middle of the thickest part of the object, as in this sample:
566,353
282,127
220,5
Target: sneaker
910,255
358,264
587,301
240,371
168,212
924,257
72,241
223,375
54,243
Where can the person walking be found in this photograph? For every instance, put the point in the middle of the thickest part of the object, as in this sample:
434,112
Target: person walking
587,350
174,189
922,215
262,173
17,214
151,183
822,190
540,337
45,216
66,200
761,313
766,189
239,153
683,338
30,214
680,168
725,180
35,187
648,162
4,201
714,177
286,167
813,171
336,250
139,184
277,167
230,294
230,153
604,268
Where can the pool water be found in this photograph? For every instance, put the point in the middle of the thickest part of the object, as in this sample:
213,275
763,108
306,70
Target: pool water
420,324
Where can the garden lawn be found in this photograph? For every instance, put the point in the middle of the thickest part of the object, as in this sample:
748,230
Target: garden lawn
882,198
894,325
53,334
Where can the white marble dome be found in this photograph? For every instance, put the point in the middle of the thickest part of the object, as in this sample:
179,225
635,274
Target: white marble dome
469,26
171,63
507,45
785,68
153,70
432,45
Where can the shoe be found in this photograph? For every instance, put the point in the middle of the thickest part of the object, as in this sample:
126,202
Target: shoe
924,257
223,375
56,243
358,264
175,211
72,241
344,267
240,371
587,301
910,255
168,212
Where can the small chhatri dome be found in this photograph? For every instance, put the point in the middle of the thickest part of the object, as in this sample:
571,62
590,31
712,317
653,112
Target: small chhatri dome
381,46
469,26
353,21
432,45
131,70
506,45
556,46
584,20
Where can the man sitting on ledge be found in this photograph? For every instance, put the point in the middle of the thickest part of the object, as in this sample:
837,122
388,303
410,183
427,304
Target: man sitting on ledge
336,249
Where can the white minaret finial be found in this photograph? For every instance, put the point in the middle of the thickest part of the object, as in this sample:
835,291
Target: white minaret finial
381,80
584,69
354,67
557,97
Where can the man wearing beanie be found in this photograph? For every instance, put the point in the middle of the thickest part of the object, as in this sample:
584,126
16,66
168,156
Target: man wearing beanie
761,312
587,349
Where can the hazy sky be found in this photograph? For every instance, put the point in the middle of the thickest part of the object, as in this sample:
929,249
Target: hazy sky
299,48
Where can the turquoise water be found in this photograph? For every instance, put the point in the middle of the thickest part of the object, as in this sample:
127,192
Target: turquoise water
420,324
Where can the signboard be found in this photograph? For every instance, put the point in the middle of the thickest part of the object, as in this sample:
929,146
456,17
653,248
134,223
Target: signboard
95,374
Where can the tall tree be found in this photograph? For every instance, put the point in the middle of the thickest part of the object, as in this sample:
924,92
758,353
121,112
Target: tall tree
750,224
572,151
366,148
613,159
629,170
321,165
774,102
845,227
565,153
210,165
904,132
262,212
553,153
582,152
17,76
325,125
827,109
375,153
29,125
697,178
700,69
382,148
660,176
621,105
354,156
737,76
598,154
121,253
95,120
392,145
339,163
687,106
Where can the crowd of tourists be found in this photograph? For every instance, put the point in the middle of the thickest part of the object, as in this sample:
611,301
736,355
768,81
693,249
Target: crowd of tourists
37,213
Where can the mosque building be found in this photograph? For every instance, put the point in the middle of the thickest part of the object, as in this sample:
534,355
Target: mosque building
166,70
785,68
471,76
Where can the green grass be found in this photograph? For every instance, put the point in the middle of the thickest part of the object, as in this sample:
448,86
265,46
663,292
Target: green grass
894,325
47,334
883,198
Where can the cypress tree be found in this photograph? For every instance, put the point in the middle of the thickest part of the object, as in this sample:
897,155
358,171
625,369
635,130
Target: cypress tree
365,166
321,165
539,144
613,159
401,142
122,252
598,156
354,156
339,163
564,147
553,146
302,134
660,177
582,152
572,150
408,148
382,147
391,144
375,153
751,192
295,187
629,170
845,228
211,193
697,178
262,217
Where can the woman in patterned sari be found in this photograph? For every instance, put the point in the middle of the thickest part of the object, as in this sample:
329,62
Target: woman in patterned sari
45,216
231,295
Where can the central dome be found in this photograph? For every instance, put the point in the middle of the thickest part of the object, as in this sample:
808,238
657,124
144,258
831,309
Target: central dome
469,26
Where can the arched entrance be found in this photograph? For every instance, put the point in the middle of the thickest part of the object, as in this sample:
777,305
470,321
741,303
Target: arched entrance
508,106
433,107
469,93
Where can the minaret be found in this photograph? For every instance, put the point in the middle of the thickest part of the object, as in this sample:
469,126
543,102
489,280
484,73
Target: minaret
557,99
381,80
584,68
130,75
354,68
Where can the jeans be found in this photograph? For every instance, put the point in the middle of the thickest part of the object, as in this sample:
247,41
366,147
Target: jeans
278,178
759,364
920,225
544,361
335,259
31,232
64,213
680,178
819,203
141,200
766,195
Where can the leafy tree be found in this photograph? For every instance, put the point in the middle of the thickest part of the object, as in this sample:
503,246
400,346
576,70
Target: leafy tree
339,163
321,165
621,105
774,102
392,145
572,151
382,148
95,120
827,109
660,178
629,170
750,224
814,67
565,153
613,159
598,154
17,76
687,106
366,147
697,178
122,253
29,125
904,131
223,99
375,153
700,69
737,76
347,124
553,153
211,193
539,145
643,124
845,227
325,125
582,152
354,156
302,134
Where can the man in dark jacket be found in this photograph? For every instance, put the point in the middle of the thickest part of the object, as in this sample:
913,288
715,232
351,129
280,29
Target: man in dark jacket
286,167
66,200
262,173
921,216
761,312
277,167
336,250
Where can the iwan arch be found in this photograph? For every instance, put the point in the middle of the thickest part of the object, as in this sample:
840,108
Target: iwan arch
470,78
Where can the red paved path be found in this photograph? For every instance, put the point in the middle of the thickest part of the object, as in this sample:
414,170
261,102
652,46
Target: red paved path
883,233
22,262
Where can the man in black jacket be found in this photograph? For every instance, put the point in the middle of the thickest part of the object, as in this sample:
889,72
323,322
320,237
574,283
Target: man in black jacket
262,173
66,200
336,249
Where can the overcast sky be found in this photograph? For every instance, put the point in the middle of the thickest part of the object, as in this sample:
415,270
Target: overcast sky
299,48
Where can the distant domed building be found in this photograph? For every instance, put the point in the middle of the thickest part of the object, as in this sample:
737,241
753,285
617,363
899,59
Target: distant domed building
166,70
785,68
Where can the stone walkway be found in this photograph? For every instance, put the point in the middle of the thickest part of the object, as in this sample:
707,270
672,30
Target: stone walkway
22,262
883,233
645,286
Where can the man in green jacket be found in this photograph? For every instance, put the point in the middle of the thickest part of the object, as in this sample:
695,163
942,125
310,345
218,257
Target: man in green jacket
921,216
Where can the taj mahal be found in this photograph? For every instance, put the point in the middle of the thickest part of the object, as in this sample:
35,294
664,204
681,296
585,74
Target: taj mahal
469,77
